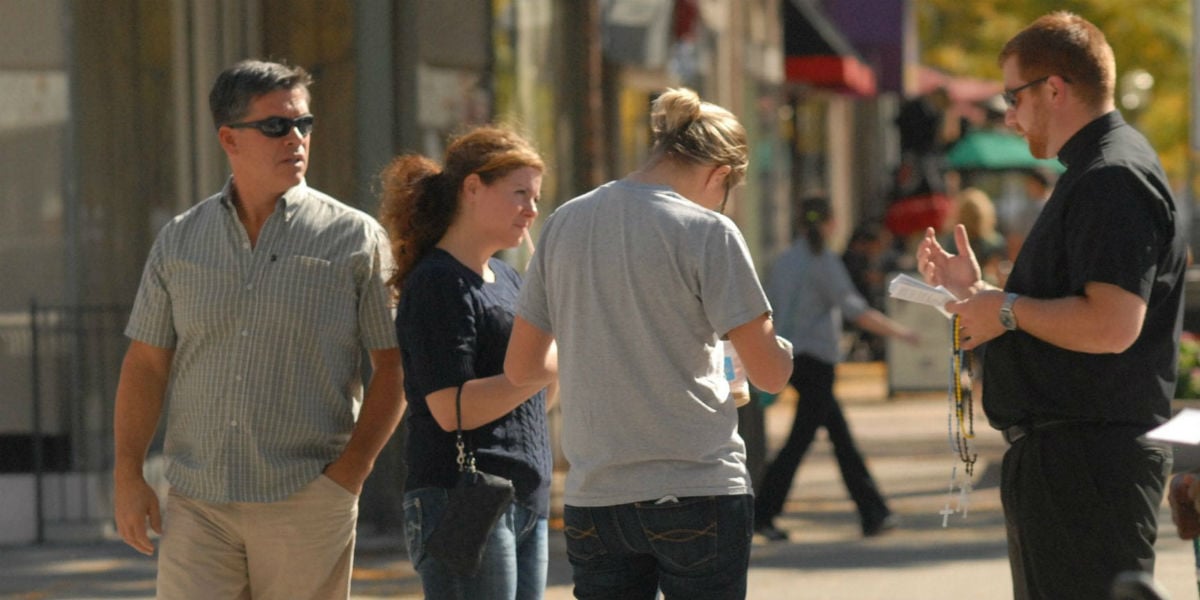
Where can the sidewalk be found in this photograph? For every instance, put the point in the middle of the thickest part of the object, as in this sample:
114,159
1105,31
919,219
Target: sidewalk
905,441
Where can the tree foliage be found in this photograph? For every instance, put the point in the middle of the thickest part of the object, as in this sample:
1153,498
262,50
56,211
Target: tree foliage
964,38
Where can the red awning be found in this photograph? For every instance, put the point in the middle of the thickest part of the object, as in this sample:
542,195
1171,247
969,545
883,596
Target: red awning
817,54
842,73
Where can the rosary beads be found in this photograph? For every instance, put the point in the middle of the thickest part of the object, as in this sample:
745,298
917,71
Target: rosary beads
960,423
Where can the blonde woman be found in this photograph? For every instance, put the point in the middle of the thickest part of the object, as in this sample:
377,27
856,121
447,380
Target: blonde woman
638,281
977,214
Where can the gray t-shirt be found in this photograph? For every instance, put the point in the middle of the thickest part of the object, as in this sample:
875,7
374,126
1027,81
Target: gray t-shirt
811,295
637,283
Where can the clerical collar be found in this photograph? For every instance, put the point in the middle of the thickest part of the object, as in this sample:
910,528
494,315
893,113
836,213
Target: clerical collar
1083,143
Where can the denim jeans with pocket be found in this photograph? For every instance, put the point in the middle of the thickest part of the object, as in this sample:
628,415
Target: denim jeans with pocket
690,548
514,562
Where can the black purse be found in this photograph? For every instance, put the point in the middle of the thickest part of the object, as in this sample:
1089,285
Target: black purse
474,505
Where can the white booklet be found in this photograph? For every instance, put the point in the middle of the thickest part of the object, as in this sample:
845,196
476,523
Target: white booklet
1182,432
1184,428
906,287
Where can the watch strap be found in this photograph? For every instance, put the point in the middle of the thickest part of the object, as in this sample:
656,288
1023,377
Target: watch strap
1007,317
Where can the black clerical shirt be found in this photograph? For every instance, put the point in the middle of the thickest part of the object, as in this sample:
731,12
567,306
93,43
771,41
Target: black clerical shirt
1111,219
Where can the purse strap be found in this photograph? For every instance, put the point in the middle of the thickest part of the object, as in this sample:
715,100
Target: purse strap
466,458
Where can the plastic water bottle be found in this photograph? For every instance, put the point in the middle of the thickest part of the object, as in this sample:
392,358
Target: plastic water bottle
739,388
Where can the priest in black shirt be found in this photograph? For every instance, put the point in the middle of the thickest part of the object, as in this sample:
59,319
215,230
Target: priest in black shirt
1078,351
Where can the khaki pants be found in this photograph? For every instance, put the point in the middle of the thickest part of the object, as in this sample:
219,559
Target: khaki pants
298,548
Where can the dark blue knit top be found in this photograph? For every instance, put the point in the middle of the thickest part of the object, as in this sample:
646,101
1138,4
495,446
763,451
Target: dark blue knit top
453,327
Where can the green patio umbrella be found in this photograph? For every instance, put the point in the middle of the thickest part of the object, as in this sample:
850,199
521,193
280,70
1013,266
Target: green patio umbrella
995,151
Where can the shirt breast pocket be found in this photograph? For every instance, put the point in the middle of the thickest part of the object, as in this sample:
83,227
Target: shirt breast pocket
309,292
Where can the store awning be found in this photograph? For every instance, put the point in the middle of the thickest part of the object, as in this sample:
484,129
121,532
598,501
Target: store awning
995,151
817,54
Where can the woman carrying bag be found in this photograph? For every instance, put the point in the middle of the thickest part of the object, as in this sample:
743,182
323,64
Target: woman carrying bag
455,313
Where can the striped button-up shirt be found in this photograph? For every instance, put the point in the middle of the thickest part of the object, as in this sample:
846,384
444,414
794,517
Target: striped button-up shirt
268,340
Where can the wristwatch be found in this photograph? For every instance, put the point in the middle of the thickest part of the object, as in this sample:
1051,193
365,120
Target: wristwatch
1007,318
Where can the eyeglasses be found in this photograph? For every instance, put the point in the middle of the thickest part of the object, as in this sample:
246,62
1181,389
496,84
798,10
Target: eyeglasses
277,127
1010,96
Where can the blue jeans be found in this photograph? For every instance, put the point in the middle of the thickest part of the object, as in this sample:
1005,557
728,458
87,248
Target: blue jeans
695,548
514,562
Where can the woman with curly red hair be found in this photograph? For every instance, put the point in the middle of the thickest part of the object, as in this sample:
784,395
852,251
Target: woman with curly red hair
454,315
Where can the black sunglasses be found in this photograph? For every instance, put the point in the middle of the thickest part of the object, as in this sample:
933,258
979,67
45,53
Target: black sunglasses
1010,96
277,127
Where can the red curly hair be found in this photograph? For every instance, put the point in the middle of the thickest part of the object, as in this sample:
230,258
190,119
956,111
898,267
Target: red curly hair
420,200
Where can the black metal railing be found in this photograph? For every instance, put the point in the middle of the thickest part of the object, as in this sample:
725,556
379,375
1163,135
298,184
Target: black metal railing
75,354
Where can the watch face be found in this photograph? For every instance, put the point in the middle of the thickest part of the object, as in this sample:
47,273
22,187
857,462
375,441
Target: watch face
1006,319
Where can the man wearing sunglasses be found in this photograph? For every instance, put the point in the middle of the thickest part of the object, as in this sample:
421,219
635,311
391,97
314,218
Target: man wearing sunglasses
254,311
1079,359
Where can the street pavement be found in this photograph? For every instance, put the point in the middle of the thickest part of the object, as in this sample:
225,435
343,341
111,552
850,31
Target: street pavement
906,444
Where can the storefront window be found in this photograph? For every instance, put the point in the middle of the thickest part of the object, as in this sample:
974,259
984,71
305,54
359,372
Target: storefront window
809,138
33,137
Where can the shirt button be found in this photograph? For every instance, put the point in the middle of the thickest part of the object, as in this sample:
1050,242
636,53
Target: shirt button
249,286
233,423
238,377
246,246
245,333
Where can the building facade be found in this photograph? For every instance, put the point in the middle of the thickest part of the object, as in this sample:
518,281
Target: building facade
105,135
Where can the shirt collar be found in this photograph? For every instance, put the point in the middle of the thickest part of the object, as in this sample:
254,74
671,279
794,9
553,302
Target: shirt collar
290,201
1083,143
